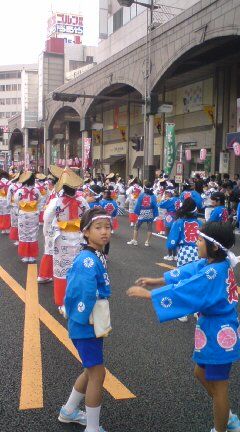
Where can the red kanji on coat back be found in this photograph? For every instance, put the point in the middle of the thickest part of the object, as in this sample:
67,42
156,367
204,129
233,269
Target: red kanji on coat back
232,288
191,232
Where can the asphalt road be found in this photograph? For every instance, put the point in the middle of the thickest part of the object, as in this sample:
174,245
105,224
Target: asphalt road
153,361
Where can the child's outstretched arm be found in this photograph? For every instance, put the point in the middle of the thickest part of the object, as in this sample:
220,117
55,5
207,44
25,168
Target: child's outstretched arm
139,292
151,282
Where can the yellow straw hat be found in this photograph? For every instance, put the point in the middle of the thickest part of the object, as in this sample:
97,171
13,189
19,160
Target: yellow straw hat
25,176
70,179
40,176
15,177
55,171
110,176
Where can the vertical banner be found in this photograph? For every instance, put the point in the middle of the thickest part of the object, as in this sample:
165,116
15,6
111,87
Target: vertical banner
170,148
86,159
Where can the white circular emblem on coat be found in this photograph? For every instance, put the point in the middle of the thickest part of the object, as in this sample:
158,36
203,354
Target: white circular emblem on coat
88,262
166,302
81,307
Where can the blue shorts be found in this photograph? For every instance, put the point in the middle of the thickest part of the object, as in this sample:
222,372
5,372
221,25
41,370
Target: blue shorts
216,372
90,351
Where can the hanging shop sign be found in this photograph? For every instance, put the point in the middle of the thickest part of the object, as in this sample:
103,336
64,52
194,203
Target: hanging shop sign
232,137
86,157
170,148
224,163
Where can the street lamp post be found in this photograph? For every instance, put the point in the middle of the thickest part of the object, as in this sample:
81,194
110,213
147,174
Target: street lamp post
148,158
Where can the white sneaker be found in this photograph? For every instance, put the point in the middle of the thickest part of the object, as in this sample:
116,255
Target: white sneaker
43,280
25,259
132,242
183,319
147,244
132,224
31,260
175,258
167,258
16,243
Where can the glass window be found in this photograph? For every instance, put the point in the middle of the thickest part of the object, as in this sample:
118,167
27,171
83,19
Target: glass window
2,114
8,87
110,25
19,86
133,11
2,101
118,20
19,101
2,87
8,101
14,87
14,101
8,114
126,15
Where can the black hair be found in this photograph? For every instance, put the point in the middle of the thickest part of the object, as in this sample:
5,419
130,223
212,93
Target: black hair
187,209
96,189
69,191
30,181
108,193
199,186
148,188
223,233
89,215
218,196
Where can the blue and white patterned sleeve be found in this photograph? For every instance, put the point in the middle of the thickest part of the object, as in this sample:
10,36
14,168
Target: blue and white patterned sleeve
81,292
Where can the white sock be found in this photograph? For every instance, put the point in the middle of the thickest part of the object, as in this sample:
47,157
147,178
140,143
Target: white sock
74,400
93,415
230,414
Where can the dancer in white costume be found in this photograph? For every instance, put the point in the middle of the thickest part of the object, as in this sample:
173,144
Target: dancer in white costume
28,198
13,188
65,212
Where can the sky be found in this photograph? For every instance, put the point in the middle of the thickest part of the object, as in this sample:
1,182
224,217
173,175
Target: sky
23,28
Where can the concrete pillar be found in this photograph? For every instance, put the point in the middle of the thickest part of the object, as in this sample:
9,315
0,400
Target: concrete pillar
128,141
26,154
67,150
47,149
151,140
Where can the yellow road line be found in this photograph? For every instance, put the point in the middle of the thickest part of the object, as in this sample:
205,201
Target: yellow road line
167,266
111,383
31,387
172,267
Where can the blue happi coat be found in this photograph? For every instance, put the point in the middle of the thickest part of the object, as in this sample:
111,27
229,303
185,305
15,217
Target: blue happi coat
146,207
171,205
194,195
87,281
211,289
110,206
184,232
219,214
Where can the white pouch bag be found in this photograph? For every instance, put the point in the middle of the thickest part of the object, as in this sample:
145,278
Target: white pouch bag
100,318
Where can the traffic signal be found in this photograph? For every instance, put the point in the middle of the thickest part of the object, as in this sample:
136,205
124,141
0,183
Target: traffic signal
138,143
64,97
154,104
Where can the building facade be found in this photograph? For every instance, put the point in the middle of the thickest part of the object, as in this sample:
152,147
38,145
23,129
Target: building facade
194,68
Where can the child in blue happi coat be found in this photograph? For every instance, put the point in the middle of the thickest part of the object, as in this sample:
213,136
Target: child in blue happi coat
94,196
171,204
147,210
87,283
184,233
220,212
209,287
188,192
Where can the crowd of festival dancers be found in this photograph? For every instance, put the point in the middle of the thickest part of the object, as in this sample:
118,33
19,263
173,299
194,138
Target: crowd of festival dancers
78,218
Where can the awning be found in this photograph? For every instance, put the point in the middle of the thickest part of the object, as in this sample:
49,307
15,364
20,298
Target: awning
139,162
114,158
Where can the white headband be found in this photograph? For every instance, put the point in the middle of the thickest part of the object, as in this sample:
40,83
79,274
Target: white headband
96,218
234,260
